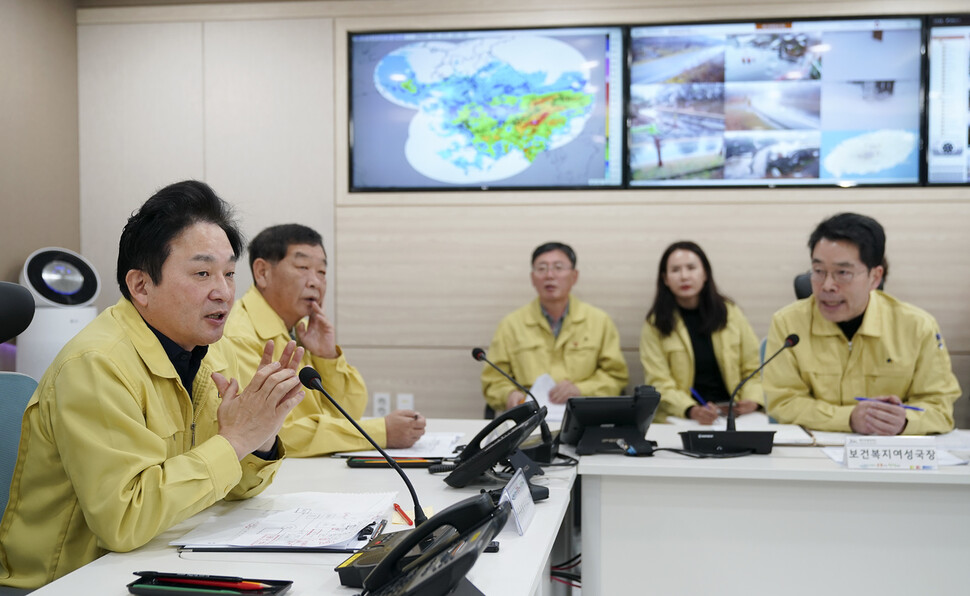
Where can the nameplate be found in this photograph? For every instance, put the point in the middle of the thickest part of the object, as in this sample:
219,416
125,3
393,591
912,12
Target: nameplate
891,453
517,493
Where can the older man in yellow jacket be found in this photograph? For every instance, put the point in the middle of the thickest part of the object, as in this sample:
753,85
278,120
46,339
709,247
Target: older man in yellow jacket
289,268
135,427
862,354
575,343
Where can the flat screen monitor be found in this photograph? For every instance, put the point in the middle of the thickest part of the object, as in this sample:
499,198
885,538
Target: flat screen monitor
593,424
522,108
948,102
801,102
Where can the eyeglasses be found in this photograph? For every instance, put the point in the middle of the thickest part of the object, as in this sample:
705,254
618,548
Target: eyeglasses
556,268
840,276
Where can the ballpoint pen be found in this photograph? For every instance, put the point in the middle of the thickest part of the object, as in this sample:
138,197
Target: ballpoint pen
194,589
215,583
698,397
914,408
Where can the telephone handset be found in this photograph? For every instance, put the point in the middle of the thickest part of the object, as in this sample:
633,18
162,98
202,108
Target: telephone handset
478,456
475,520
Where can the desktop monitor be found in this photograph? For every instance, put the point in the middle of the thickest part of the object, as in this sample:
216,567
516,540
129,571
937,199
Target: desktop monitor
594,424
796,102
948,101
481,109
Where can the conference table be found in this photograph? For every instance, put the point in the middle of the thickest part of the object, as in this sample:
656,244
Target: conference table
792,522
520,568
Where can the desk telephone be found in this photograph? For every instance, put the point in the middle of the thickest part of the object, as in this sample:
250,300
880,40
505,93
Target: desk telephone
447,546
484,450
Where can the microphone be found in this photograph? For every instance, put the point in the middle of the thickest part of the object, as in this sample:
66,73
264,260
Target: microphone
732,441
790,342
544,452
311,380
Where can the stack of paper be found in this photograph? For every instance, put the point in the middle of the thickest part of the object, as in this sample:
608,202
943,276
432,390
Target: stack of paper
297,521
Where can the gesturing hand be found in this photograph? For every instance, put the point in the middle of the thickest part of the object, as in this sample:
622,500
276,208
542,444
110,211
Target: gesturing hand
251,420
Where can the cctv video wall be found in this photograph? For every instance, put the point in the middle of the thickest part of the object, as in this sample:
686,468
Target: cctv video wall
808,102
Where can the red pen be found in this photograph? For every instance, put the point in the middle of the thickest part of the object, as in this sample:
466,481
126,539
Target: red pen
213,583
404,515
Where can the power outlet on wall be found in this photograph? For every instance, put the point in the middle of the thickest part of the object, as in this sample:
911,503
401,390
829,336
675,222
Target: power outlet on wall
382,404
405,401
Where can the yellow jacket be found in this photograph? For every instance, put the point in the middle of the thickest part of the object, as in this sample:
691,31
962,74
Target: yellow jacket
668,362
898,350
107,457
587,352
314,427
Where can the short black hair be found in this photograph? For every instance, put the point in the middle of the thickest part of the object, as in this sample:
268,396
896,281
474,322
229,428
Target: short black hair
272,243
551,246
146,241
862,231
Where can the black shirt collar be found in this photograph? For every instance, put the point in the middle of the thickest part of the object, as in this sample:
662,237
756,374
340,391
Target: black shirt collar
851,326
186,363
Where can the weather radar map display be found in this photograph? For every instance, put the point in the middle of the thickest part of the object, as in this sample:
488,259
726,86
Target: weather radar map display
800,102
537,108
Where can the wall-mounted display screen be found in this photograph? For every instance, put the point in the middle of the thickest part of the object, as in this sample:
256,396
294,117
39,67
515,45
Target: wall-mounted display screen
527,108
948,105
824,102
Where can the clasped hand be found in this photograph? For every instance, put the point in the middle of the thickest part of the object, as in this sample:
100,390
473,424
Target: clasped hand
251,420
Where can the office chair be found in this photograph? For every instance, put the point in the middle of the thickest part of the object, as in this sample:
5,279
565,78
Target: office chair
17,310
15,392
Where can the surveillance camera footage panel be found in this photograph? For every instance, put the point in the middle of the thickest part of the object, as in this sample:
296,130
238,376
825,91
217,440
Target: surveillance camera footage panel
948,105
805,102
527,108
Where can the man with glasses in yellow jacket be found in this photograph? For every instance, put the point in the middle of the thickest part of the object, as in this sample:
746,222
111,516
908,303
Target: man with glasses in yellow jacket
866,362
557,334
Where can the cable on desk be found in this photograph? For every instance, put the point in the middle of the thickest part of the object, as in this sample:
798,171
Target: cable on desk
570,462
569,564
697,455
570,579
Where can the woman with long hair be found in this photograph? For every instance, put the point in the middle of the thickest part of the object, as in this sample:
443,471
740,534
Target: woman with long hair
696,345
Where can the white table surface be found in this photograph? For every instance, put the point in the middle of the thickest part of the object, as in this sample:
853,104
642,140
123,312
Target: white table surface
792,522
519,568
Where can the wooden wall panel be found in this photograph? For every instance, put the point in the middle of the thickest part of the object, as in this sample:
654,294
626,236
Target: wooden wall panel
444,276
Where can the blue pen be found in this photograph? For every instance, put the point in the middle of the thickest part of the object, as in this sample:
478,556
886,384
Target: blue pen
698,397
914,408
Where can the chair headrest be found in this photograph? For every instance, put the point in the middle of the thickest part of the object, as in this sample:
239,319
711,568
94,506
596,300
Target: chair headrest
17,310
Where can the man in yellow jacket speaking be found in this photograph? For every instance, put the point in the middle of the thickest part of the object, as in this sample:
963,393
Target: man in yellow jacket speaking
557,334
136,425
865,362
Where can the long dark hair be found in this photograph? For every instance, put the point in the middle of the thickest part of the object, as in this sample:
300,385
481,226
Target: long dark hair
712,306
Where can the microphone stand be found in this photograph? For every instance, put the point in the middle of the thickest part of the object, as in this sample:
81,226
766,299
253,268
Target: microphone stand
732,441
544,452
311,379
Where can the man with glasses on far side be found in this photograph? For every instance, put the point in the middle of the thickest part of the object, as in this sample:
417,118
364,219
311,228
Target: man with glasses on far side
866,362
556,334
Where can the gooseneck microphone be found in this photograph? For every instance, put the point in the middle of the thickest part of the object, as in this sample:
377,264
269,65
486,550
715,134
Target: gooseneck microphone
545,452
311,380
790,342
732,441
